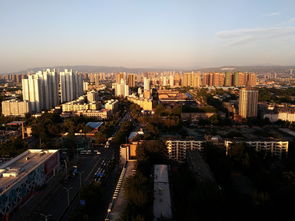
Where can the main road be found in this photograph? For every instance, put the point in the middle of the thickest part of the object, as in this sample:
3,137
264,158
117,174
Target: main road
54,199
58,199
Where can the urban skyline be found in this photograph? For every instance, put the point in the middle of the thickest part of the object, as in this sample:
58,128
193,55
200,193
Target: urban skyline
147,110
146,34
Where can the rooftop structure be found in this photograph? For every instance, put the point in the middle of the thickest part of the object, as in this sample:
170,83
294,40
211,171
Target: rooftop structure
15,123
21,176
162,198
14,170
94,125
172,96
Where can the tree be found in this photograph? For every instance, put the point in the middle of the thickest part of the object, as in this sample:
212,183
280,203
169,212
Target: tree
91,194
136,190
100,137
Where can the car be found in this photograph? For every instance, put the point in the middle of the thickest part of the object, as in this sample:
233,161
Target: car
98,153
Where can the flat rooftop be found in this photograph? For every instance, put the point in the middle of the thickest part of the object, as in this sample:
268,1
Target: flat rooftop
15,169
94,125
162,198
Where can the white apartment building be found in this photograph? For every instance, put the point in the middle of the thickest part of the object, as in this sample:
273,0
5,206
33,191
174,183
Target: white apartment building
171,81
71,85
281,115
42,89
15,108
92,96
146,84
79,105
275,148
122,89
85,86
177,148
32,90
112,105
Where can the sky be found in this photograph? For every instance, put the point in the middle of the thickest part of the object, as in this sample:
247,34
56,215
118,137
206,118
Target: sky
146,33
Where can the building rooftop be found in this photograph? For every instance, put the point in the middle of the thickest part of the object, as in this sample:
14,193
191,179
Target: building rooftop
162,198
94,125
15,123
15,169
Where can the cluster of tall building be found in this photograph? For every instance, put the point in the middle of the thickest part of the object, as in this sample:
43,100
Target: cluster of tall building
190,79
96,78
123,83
45,90
229,79
41,90
17,78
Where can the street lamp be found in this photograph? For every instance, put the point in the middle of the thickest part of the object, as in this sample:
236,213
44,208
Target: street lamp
45,216
68,194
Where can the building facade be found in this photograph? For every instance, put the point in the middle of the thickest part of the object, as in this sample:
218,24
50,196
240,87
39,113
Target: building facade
121,89
177,149
275,148
112,105
71,85
146,84
23,175
248,102
15,108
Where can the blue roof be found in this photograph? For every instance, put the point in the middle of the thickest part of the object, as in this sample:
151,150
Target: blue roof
94,125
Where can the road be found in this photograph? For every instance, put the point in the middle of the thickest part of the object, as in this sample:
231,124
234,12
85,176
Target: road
53,199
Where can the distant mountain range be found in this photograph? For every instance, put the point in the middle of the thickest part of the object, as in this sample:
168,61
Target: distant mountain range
85,68
257,69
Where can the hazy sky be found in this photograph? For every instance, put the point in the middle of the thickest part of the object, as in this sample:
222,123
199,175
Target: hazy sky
146,33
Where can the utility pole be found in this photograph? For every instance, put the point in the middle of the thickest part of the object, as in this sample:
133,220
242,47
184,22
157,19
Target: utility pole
68,194
66,167
45,216
80,175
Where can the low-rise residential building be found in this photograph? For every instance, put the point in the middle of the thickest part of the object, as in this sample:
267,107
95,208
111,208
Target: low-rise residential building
276,148
177,149
172,96
112,105
128,151
281,114
92,96
101,114
145,104
80,105
195,117
15,108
